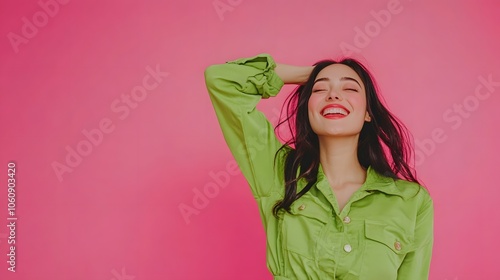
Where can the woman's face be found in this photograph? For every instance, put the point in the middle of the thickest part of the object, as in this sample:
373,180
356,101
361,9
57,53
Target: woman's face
337,106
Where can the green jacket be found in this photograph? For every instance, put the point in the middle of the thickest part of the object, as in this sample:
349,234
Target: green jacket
384,232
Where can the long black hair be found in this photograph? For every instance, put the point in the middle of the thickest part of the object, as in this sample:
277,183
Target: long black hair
384,142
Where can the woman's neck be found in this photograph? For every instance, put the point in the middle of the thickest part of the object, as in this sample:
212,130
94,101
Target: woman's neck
339,160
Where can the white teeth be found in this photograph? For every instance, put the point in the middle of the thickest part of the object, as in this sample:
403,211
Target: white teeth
334,110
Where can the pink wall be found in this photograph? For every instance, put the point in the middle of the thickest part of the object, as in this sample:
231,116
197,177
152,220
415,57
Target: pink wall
129,75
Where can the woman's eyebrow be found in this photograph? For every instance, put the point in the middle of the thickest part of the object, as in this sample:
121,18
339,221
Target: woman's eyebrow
350,79
321,80
325,79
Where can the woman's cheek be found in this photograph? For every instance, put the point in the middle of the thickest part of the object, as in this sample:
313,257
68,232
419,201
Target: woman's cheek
313,100
358,103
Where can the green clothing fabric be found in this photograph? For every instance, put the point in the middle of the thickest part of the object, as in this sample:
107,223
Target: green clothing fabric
384,232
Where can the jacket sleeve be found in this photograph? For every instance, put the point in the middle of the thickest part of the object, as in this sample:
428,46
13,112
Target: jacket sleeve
416,264
235,88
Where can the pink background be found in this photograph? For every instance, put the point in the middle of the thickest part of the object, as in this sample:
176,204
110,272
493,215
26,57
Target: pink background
116,214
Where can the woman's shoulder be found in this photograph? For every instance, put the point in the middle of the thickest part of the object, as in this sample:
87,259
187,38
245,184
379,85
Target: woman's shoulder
413,190
416,198
406,189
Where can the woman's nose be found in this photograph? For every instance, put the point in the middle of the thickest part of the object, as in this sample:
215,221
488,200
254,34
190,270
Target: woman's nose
333,95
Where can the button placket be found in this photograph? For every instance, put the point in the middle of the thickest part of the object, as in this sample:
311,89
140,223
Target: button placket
346,220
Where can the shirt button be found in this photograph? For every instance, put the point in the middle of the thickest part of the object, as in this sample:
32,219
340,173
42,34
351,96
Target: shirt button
302,207
347,248
397,246
347,220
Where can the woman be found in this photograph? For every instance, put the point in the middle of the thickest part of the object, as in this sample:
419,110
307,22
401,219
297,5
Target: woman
339,200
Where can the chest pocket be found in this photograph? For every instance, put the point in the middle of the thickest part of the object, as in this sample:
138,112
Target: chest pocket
302,228
387,244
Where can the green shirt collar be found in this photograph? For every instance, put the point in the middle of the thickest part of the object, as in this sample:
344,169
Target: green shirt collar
376,182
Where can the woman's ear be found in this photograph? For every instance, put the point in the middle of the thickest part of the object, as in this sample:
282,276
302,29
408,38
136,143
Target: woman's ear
367,117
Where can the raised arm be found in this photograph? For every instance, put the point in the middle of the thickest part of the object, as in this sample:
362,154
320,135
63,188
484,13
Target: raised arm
291,74
235,88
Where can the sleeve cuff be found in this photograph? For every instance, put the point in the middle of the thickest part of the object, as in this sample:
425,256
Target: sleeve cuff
265,80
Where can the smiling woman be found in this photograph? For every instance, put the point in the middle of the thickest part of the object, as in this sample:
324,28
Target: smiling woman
334,203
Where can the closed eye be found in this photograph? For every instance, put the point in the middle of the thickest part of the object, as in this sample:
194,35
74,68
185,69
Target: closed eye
352,89
319,89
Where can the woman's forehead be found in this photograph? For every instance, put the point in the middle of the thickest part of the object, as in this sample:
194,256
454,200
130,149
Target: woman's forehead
338,72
